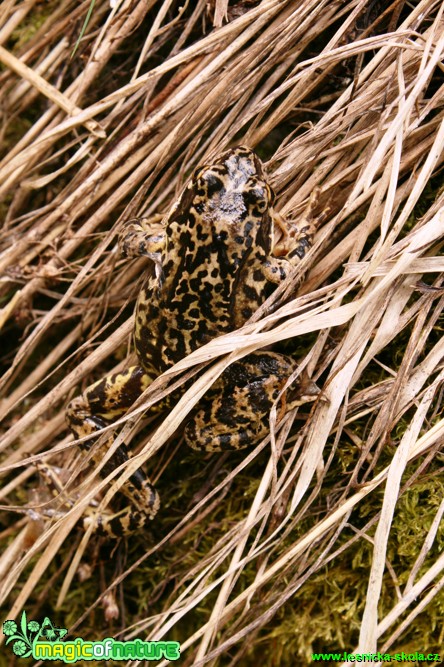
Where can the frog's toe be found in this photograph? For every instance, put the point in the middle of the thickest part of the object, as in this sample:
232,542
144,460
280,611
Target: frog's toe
304,391
139,239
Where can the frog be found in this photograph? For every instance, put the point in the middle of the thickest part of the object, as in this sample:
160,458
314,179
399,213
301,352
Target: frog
215,263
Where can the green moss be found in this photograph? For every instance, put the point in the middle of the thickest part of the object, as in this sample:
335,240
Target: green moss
32,22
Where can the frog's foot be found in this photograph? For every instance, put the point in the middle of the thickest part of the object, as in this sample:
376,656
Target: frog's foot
139,237
235,412
107,523
99,405
304,391
297,238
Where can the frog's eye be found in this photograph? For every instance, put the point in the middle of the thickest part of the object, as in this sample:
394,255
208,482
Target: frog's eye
208,182
260,196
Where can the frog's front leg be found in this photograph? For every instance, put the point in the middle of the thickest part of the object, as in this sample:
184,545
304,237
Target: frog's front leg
235,412
141,237
297,237
101,404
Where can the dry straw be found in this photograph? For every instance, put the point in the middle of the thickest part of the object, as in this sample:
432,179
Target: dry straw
344,98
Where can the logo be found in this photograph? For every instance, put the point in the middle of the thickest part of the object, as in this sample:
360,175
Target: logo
44,642
30,632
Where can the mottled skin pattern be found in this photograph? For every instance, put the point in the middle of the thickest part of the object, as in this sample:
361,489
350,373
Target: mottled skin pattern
215,265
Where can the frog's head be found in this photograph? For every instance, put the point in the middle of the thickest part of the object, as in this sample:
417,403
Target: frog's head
231,196
238,170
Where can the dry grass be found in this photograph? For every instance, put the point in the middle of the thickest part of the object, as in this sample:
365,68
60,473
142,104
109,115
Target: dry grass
326,536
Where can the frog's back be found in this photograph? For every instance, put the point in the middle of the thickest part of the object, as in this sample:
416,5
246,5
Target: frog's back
220,222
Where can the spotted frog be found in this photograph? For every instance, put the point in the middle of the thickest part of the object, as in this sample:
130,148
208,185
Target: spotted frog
215,265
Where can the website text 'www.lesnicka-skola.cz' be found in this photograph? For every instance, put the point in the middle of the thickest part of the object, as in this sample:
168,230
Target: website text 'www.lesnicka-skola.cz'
416,657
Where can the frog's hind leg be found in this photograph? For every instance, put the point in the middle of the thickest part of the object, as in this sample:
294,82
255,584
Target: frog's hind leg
235,412
101,404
